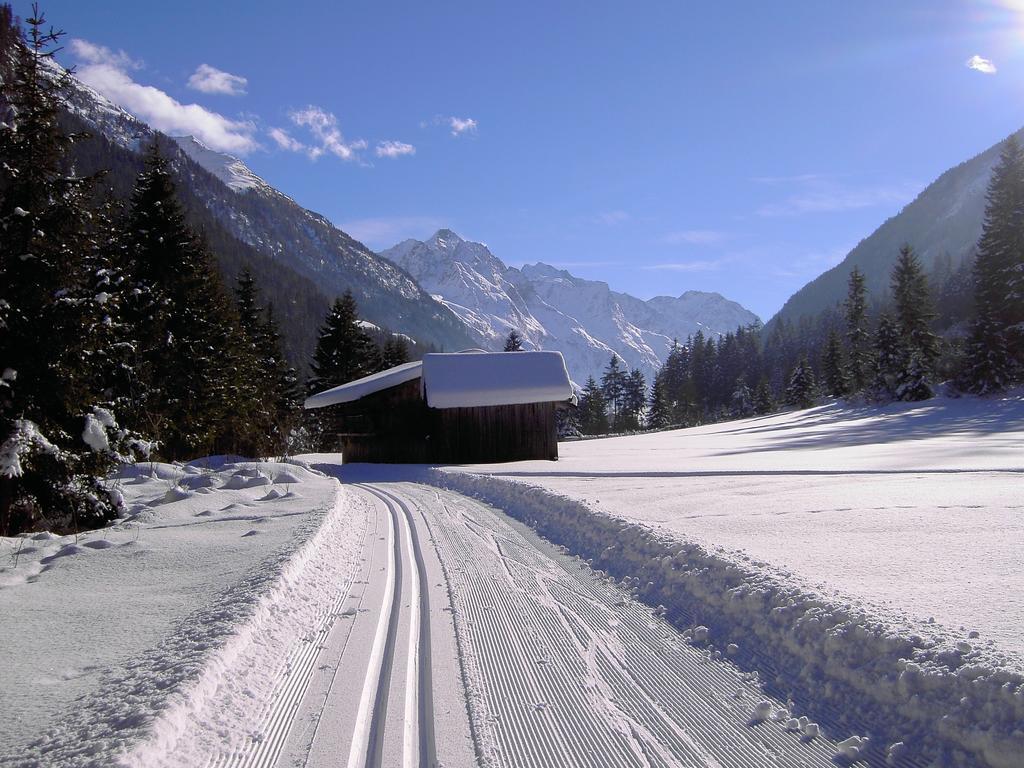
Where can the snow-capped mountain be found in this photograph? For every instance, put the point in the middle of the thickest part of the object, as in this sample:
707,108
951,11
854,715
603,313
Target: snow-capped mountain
279,229
552,309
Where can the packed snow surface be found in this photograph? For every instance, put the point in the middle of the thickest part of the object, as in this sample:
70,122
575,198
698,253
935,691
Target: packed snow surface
868,557
910,508
162,628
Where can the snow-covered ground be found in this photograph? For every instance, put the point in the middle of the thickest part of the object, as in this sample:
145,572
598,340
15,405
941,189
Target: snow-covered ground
917,509
871,554
165,624
829,586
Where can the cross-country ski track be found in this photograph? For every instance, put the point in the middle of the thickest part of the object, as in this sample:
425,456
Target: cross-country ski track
464,639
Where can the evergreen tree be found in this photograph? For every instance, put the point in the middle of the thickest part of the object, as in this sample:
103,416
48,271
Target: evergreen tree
613,389
514,342
889,359
253,415
996,348
344,353
593,412
634,399
266,404
858,338
914,315
659,413
189,359
742,404
285,390
836,383
395,352
763,401
58,440
802,387
987,368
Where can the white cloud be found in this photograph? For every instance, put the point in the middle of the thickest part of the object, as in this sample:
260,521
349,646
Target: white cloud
92,53
324,127
394,149
212,80
981,65
695,237
285,141
383,232
461,125
107,73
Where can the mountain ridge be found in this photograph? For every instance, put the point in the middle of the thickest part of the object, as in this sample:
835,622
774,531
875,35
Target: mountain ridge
269,222
552,309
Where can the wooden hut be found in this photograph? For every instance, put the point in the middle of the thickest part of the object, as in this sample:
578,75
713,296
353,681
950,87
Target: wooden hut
461,408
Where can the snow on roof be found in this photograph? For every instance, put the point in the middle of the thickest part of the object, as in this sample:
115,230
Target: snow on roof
466,380
367,385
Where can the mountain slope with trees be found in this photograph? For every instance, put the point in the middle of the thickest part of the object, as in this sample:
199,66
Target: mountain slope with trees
252,224
943,224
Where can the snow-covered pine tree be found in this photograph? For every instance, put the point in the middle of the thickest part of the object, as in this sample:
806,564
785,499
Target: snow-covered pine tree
593,411
987,366
764,403
742,404
57,440
915,312
513,342
344,353
858,338
255,428
889,359
287,392
187,326
802,389
659,411
996,348
833,367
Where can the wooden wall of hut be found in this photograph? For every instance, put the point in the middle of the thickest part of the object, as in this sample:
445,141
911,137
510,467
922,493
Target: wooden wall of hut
395,426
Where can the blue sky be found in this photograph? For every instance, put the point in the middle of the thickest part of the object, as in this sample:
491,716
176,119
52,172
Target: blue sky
737,147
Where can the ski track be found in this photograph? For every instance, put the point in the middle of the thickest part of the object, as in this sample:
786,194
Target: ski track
561,666
564,668
265,745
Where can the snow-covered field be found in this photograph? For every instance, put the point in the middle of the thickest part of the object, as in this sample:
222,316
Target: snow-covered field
166,623
872,555
839,585
915,509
